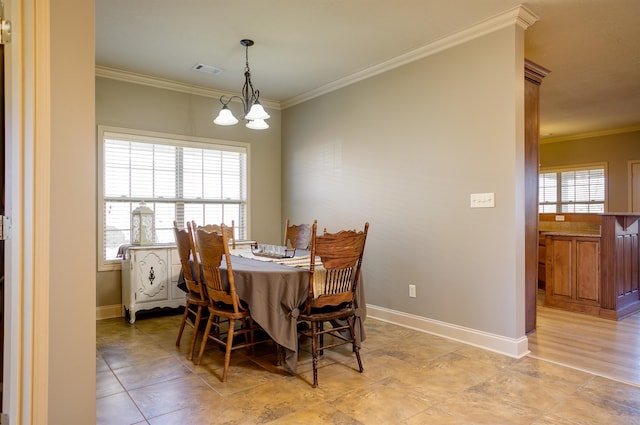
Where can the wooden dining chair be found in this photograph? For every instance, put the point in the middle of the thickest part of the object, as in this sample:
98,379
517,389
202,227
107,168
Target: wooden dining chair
225,307
331,292
196,297
297,235
229,230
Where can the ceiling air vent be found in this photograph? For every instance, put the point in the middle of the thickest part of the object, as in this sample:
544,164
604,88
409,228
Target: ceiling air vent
207,69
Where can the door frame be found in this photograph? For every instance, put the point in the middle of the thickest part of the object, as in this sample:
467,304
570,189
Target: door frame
27,100
633,190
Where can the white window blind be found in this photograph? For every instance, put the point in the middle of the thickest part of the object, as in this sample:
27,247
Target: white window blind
178,179
573,190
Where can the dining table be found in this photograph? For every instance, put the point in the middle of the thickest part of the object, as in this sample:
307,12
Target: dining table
275,290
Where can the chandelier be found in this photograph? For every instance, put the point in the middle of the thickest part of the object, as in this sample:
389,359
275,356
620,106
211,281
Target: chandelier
254,113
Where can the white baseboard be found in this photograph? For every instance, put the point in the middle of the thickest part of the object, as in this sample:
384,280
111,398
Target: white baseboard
508,346
108,311
511,347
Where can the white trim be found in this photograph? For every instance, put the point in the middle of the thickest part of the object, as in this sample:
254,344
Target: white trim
600,133
108,311
17,397
105,131
630,186
161,83
38,168
518,15
512,347
578,167
165,138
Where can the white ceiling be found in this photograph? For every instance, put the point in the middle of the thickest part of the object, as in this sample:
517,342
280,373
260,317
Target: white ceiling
591,47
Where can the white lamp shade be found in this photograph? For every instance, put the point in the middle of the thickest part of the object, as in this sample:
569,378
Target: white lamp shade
257,112
257,125
225,117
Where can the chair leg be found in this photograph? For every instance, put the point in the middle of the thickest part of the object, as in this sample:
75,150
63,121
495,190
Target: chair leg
356,349
205,337
196,327
216,319
184,322
252,336
314,351
229,346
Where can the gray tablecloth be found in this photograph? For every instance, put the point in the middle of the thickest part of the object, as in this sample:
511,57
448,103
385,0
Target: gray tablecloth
274,292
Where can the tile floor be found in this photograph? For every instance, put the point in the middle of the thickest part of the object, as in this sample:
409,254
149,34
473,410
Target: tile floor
410,378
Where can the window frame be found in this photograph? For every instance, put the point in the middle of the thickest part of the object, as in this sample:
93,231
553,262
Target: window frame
577,167
156,138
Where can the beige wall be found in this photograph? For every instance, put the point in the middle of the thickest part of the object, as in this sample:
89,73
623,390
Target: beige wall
72,215
616,150
139,107
49,352
404,150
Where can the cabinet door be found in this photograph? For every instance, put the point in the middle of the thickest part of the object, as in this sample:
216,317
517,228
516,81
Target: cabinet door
573,272
560,268
587,271
151,275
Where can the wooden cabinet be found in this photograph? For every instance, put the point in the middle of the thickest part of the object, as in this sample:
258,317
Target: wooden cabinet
593,263
573,273
620,265
150,279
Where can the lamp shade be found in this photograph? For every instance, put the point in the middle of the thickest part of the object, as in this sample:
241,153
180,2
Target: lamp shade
142,225
257,112
257,125
225,117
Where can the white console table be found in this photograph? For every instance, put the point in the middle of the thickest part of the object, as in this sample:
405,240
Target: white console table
150,279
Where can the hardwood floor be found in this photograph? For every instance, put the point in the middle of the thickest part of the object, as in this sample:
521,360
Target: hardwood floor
606,348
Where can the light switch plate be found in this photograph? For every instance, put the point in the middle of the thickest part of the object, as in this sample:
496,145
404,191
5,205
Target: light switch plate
483,200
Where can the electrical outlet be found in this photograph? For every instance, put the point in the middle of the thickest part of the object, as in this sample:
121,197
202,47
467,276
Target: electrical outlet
412,291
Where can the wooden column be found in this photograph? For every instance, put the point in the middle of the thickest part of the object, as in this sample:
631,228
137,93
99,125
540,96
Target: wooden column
533,75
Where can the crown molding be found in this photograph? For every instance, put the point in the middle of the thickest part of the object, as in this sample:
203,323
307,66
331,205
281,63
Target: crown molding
518,15
161,83
601,133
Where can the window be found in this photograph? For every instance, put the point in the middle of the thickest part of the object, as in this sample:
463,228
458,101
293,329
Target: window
179,178
579,189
